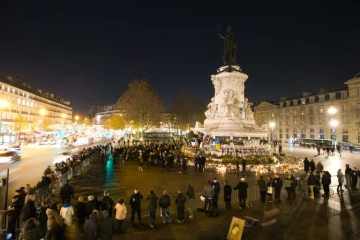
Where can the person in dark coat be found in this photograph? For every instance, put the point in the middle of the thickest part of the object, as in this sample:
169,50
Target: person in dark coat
106,226
326,181
312,165
180,201
164,204
306,165
190,193
29,210
135,203
354,178
277,187
184,165
91,205
107,203
66,192
91,228
311,181
242,187
43,217
348,175
152,207
81,212
13,214
262,188
227,195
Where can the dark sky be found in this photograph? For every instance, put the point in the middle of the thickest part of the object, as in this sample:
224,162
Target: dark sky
88,51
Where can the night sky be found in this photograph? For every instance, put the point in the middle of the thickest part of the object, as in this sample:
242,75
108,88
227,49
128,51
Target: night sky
88,51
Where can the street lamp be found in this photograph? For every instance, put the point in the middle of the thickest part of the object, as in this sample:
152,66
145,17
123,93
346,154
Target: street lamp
332,110
272,125
334,123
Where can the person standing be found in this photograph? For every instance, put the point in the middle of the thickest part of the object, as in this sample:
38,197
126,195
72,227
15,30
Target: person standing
262,188
319,168
190,193
135,203
91,227
227,195
311,181
208,194
242,193
326,181
106,226
290,186
120,215
29,210
243,163
107,203
180,201
66,192
278,183
184,165
306,165
217,188
270,188
81,211
164,204
354,178
348,175
340,177
312,165
152,207
67,212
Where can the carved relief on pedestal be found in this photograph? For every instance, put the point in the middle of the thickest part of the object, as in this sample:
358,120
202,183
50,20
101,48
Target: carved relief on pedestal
230,104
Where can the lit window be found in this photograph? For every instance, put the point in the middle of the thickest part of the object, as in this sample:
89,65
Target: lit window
23,102
19,101
8,89
23,94
2,87
32,104
13,90
27,103
303,102
27,95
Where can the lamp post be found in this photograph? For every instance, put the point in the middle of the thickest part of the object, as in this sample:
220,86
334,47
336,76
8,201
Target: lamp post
272,125
334,123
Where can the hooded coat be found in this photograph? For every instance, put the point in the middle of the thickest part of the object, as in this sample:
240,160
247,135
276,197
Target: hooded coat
91,228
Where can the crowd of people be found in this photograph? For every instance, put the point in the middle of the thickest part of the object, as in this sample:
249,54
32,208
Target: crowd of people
31,208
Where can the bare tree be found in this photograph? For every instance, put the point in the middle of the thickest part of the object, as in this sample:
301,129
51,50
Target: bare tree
141,104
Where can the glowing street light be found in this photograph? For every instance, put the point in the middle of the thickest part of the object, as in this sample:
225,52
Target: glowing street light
332,110
42,111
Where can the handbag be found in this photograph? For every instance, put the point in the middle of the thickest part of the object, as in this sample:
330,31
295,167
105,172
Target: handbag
270,190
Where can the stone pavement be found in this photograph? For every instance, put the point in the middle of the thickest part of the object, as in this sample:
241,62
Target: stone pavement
325,218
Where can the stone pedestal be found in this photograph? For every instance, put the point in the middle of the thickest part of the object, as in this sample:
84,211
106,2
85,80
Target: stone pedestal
229,113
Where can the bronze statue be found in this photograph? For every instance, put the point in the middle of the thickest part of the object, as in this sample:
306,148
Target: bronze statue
229,46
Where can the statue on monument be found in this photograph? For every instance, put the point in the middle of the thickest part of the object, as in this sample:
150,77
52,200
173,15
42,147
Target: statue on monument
229,46
231,104
210,113
249,115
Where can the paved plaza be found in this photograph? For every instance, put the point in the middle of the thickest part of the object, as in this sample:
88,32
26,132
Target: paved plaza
325,218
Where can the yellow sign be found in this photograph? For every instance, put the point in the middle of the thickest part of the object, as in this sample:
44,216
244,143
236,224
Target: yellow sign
236,229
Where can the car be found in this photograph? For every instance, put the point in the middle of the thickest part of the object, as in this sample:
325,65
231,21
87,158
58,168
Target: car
62,157
15,148
9,157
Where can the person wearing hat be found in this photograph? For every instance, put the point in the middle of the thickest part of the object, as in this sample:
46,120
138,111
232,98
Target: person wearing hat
81,211
242,193
91,205
135,203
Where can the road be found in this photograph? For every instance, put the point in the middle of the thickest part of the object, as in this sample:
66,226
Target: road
34,160
331,163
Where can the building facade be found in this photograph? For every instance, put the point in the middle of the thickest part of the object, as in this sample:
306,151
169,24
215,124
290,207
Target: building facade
328,114
34,105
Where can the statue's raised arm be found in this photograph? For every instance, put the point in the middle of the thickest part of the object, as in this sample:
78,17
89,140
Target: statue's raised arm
229,46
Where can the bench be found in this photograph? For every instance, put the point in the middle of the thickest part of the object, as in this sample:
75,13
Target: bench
249,221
